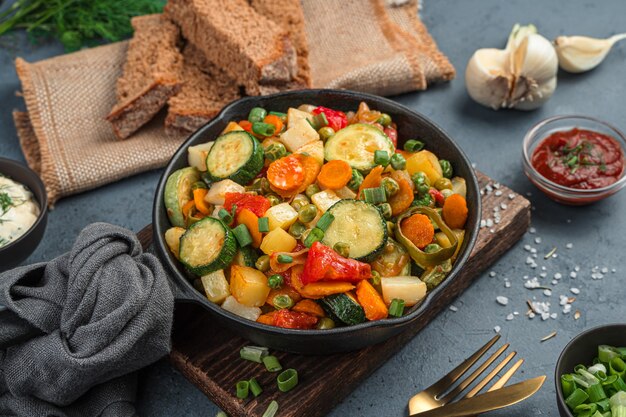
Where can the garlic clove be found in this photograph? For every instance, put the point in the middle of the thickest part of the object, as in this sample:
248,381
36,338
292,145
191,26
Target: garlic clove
532,95
487,78
581,53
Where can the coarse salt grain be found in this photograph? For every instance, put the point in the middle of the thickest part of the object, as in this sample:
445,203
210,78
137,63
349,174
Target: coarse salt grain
575,290
567,308
543,274
569,245
492,274
511,196
497,329
498,193
527,248
537,240
558,275
532,230
454,308
554,282
507,284
553,316
547,293
502,300
573,274
605,270
510,317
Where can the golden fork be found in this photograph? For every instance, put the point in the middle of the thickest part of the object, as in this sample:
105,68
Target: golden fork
442,391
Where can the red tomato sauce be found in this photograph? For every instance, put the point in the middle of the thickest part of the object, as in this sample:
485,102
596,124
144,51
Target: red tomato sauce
579,158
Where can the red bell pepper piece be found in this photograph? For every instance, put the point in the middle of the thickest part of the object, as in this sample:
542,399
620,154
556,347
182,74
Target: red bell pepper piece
437,196
392,134
336,119
255,203
294,320
323,263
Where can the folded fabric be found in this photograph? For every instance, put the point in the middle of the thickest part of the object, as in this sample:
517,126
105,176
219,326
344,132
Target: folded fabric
76,328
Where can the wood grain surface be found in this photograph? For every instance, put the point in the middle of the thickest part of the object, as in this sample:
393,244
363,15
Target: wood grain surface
208,355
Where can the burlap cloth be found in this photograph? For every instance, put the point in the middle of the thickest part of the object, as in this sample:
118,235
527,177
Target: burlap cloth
364,45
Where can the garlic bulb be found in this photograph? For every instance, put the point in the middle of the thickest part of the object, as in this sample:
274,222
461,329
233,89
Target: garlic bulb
520,76
581,53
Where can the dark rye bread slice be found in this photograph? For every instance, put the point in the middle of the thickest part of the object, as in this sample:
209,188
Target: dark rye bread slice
248,46
151,74
290,18
206,90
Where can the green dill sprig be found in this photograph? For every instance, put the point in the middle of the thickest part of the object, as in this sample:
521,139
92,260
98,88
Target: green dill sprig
76,23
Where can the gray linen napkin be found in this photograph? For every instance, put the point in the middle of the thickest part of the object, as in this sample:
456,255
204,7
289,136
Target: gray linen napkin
76,328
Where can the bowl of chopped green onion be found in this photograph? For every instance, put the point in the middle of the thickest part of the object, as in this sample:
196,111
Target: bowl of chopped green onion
590,374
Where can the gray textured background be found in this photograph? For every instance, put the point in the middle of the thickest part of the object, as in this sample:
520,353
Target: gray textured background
493,141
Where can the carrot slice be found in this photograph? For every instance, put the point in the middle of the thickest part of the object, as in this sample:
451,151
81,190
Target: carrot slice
286,173
371,301
267,318
323,289
418,229
198,199
401,200
335,174
311,171
274,120
251,221
455,211
372,180
310,307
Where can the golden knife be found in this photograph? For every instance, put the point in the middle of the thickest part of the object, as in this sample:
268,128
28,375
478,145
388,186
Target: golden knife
489,401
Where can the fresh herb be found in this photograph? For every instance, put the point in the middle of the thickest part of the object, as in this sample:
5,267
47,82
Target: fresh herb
76,23
580,155
6,202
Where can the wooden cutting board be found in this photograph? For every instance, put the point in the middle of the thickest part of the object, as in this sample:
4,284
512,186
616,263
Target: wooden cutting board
208,355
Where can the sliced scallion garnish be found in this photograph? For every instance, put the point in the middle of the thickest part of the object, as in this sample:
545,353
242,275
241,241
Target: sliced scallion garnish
264,224
381,157
272,409
242,234
396,308
315,235
287,380
271,363
375,195
243,389
255,388
325,221
225,216
254,353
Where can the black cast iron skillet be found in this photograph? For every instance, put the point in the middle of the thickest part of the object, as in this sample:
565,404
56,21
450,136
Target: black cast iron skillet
341,339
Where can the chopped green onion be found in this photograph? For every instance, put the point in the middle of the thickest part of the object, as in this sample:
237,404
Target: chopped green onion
263,129
282,301
356,180
243,388
287,380
264,224
253,353
221,414
604,405
446,168
567,385
255,388
396,308
585,410
319,121
381,157
284,259
283,116
576,398
397,161
596,393
272,409
225,216
610,380
257,114
606,353
275,281
413,145
375,195
617,367
619,384
618,404
271,363
242,235
315,235
324,222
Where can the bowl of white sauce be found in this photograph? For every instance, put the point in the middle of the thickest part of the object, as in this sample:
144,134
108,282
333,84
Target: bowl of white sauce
23,212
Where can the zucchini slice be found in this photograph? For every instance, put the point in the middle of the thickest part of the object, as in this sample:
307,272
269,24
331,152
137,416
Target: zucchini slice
207,246
246,256
360,225
345,307
235,155
178,193
355,144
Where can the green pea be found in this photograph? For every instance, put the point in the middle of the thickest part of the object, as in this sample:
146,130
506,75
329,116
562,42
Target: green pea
443,183
433,247
326,133
325,323
257,114
274,199
263,263
397,161
356,180
275,281
297,229
342,249
446,167
390,186
299,201
282,301
385,209
384,119
312,189
275,151
307,213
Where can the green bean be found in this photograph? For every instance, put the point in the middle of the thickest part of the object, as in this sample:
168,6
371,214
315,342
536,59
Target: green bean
446,167
257,114
398,161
